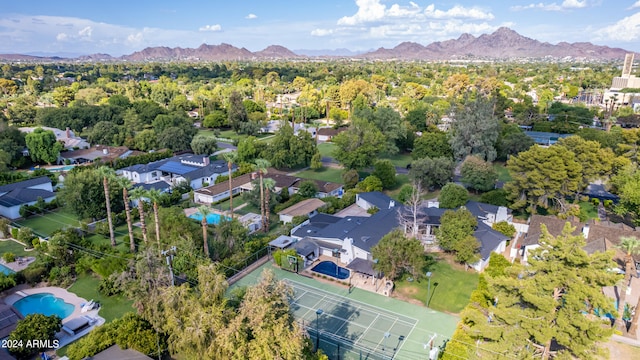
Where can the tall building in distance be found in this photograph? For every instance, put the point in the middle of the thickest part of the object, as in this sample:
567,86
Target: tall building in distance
626,80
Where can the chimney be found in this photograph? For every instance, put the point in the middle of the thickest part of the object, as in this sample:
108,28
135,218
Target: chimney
392,204
68,131
254,175
585,231
105,151
206,161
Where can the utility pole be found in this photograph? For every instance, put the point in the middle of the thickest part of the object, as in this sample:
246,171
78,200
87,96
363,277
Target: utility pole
168,254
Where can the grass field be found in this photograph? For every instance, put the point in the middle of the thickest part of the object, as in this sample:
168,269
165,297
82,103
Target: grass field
503,173
46,224
588,211
450,288
400,159
400,181
10,246
326,149
112,307
324,174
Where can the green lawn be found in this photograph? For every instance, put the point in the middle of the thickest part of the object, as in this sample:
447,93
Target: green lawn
10,246
588,211
326,149
46,224
112,307
400,159
450,288
324,174
400,181
503,173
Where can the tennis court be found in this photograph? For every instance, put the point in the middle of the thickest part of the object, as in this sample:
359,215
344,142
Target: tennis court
354,330
353,324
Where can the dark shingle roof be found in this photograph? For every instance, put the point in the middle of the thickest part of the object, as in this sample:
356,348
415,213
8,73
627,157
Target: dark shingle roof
25,184
23,196
378,199
489,239
554,226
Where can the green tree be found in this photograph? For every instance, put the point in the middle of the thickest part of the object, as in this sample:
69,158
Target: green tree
216,119
261,166
308,189
83,194
350,178
432,172
236,112
370,183
202,144
155,196
478,174
505,228
543,175
595,161
455,226
386,172
43,146
453,196
432,145
397,255
475,130
552,300
175,138
359,145
138,194
108,175
146,140
34,327
511,141
105,133
203,211
316,161
466,250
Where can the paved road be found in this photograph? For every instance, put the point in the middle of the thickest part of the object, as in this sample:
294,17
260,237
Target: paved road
225,145
401,170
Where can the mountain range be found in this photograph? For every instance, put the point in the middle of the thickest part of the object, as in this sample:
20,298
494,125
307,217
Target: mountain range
504,43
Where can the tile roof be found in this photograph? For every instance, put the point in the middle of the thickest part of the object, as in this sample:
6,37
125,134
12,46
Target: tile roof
219,188
554,226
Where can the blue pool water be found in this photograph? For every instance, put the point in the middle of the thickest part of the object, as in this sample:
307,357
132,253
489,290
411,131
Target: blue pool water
330,268
5,270
211,218
43,303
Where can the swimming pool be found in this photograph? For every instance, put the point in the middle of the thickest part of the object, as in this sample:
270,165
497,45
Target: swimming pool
330,268
211,218
5,270
44,303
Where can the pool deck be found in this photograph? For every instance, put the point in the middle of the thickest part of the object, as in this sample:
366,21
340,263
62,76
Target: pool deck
68,297
356,280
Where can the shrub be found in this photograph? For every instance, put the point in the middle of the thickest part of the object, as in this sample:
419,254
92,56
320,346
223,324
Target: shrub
608,203
25,235
372,210
595,201
9,257
7,281
14,233
505,228
350,179
108,286
34,274
5,230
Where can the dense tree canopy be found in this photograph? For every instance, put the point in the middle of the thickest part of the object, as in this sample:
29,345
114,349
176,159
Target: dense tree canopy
43,146
359,146
432,172
475,130
397,254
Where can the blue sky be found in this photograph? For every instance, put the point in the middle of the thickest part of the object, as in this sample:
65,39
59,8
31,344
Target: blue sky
121,27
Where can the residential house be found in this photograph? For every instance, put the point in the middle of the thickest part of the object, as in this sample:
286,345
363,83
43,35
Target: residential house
160,185
307,207
219,192
327,133
67,137
103,153
198,170
352,237
13,196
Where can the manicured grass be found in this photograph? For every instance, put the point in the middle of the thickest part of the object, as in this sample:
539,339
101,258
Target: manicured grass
588,211
237,201
247,209
112,307
400,181
46,224
503,173
400,159
326,149
450,288
10,246
324,174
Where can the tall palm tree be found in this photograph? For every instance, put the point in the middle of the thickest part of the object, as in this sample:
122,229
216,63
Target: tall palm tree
261,166
124,183
230,157
108,174
204,211
139,193
269,184
155,195
630,245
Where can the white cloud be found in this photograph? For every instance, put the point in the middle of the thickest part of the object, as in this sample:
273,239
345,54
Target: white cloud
627,29
214,28
86,32
62,37
566,5
321,32
368,11
251,16
635,5
458,12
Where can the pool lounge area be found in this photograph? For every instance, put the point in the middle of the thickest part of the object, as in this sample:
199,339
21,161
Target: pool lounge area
77,319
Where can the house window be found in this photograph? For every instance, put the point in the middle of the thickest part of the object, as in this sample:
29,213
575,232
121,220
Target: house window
154,174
